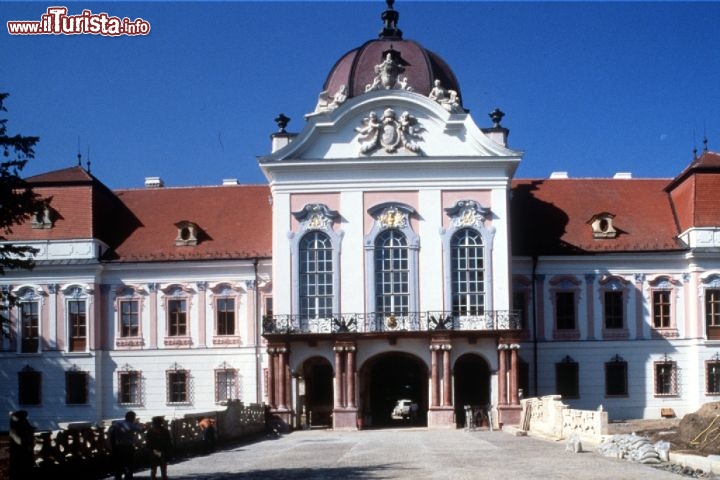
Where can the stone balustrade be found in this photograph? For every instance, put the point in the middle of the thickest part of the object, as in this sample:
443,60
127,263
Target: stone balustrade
548,416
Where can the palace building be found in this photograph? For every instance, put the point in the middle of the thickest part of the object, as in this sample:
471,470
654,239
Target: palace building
392,257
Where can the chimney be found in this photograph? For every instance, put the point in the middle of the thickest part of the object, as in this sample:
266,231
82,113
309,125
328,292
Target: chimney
230,181
154,182
559,175
623,175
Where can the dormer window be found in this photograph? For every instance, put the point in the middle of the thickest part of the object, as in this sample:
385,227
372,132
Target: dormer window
602,225
187,234
42,218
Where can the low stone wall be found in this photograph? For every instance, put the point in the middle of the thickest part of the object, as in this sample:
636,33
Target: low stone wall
81,449
549,417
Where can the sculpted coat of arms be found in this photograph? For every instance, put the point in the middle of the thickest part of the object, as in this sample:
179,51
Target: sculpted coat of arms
389,132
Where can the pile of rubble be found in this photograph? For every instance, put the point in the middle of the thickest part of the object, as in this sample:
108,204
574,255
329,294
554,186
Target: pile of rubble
635,448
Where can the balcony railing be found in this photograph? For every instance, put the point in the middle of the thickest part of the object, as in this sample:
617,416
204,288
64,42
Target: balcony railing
494,320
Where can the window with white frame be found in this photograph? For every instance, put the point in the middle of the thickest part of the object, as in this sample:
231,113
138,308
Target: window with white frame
29,319
129,318
130,391
468,276
565,295
613,310
662,306
392,291
178,386
177,317
316,275
616,377
77,325
76,387
567,378
712,307
712,376
226,384
29,386
665,378
225,316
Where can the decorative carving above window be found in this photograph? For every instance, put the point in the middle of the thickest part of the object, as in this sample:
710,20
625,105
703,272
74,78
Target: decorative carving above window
391,215
389,132
602,225
316,216
188,234
468,213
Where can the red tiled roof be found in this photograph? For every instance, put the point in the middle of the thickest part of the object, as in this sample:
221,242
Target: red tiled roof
695,193
549,216
235,221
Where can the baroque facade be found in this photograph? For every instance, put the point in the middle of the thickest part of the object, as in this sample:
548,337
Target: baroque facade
392,257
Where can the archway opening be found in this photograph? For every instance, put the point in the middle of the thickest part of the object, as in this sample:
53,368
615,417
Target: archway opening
393,391
316,395
472,385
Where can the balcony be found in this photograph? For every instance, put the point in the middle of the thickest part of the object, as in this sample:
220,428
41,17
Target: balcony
374,323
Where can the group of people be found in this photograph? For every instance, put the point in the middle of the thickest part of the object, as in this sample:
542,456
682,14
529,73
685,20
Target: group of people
124,434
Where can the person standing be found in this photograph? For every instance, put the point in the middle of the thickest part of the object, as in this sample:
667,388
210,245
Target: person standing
123,435
207,425
22,446
160,443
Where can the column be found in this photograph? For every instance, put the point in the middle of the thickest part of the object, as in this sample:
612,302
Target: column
502,375
514,374
434,380
281,369
447,380
351,377
288,380
53,320
271,377
337,391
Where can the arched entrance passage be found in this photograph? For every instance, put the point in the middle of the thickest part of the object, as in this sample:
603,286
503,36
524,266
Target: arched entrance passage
315,401
387,379
472,384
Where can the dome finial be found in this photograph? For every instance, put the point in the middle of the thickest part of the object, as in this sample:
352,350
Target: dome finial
390,18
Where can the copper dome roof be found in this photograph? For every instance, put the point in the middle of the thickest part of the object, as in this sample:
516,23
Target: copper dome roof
356,70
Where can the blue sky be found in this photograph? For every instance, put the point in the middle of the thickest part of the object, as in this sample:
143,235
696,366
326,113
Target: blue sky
591,88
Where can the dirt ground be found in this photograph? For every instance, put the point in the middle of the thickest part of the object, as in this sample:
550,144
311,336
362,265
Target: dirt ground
696,433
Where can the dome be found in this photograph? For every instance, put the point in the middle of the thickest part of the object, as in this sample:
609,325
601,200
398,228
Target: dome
391,62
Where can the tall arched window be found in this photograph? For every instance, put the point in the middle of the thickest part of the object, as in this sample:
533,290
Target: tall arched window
316,275
392,272
468,273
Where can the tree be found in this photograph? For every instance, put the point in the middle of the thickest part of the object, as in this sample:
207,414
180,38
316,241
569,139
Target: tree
18,203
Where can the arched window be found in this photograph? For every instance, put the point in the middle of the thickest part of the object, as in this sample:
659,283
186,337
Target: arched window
392,273
468,273
316,275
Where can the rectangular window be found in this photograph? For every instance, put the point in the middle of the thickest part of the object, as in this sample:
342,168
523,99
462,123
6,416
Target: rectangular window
665,379
226,385
712,313
178,386
76,388
129,321
712,377
29,387
614,310
661,309
225,316
177,318
30,327
129,388
565,310
616,379
567,377
77,321
520,307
